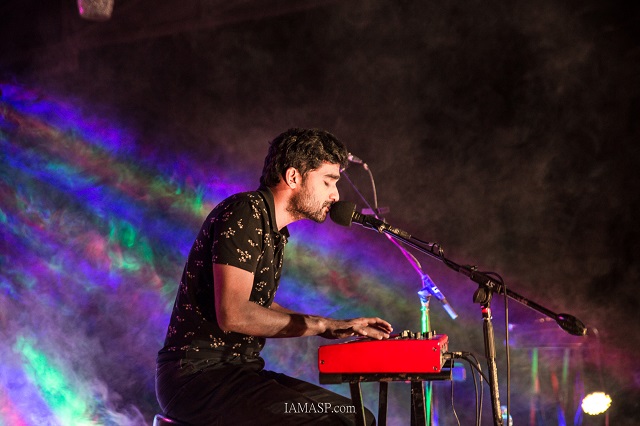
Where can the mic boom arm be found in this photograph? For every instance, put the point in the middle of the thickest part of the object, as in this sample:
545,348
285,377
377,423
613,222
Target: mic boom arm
343,213
568,323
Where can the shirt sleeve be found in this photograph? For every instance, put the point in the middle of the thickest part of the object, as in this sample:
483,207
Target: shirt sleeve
237,235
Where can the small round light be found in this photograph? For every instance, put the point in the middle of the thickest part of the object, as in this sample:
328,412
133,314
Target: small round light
596,403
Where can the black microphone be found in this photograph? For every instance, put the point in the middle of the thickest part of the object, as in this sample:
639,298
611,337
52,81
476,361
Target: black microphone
344,212
571,325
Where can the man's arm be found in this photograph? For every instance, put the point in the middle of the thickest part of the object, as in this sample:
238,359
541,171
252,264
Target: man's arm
236,313
278,307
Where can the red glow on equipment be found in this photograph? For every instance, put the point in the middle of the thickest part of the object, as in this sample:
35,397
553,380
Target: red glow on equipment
397,355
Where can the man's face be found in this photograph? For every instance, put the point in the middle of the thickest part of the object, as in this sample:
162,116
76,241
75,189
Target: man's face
317,192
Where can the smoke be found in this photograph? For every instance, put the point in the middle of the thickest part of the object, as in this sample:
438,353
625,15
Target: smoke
505,132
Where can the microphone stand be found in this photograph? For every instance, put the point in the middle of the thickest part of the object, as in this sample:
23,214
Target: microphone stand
487,286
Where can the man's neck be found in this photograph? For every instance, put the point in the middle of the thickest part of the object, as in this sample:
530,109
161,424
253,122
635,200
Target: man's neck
281,196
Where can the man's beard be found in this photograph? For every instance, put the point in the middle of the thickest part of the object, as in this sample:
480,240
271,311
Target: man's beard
302,206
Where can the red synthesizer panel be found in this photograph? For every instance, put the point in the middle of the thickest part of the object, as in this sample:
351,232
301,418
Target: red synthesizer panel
395,355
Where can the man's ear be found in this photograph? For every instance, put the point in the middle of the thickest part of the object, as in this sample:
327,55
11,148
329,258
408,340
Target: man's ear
292,177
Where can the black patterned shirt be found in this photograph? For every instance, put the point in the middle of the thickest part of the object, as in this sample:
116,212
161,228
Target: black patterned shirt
241,232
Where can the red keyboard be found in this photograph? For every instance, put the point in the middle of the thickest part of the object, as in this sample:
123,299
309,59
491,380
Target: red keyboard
394,355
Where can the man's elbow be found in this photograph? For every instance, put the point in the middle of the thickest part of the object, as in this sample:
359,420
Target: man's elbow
229,322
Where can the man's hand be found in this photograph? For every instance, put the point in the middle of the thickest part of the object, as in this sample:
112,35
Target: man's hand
376,328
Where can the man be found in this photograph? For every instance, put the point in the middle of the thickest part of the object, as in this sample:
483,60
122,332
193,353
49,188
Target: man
210,371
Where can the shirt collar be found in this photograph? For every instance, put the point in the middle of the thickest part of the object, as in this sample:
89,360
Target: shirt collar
268,199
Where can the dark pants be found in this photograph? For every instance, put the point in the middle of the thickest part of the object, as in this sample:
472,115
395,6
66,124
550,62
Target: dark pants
240,392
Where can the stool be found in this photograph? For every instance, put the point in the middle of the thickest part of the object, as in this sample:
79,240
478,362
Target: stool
160,420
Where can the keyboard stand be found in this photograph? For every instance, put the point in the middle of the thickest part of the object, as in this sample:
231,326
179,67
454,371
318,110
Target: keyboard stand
418,407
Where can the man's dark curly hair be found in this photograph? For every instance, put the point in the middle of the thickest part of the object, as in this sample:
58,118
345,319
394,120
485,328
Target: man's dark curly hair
303,149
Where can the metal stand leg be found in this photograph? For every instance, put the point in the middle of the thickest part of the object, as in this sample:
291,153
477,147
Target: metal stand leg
418,411
356,397
483,296
382,403
490,352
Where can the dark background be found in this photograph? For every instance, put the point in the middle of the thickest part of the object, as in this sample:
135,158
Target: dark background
506,131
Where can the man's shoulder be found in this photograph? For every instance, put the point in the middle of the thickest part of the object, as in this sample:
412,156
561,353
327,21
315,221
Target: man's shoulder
250,200
243,197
